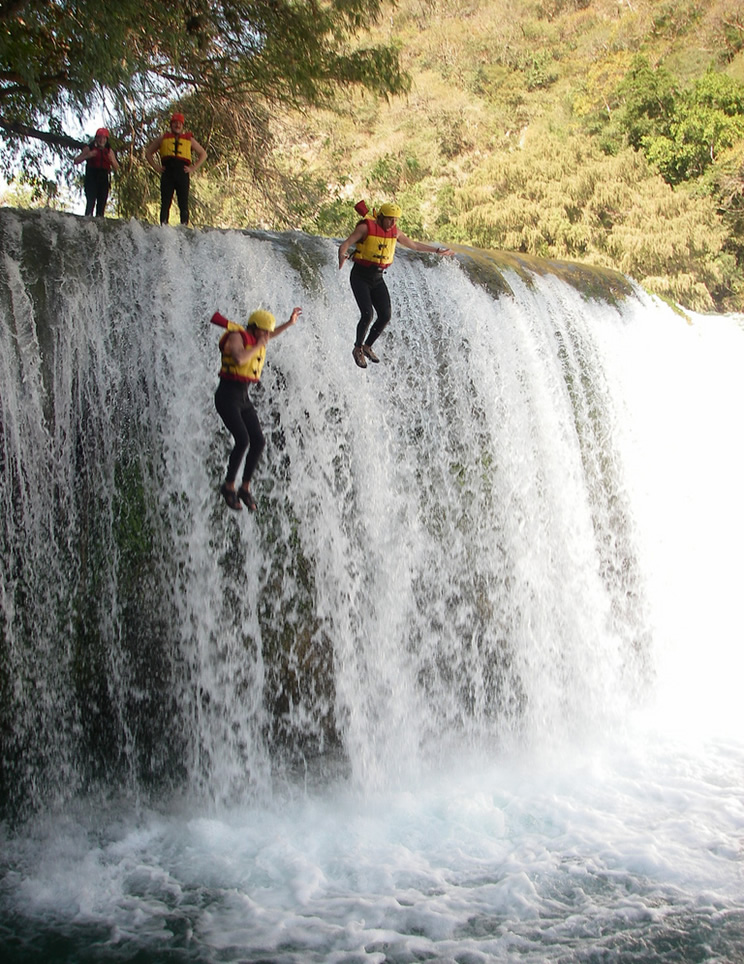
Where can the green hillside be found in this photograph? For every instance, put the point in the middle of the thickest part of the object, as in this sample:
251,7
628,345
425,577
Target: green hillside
605,131
608,132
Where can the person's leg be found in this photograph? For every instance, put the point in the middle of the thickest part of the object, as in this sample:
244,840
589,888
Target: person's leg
361,290
257,441
167,187
182,194
102,193
229,400
380,297
90,194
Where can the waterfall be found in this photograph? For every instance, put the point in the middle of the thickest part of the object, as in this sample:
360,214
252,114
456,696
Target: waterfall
446,551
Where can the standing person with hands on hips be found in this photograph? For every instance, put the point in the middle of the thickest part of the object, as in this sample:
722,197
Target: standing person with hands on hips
243,352
375,238
178,149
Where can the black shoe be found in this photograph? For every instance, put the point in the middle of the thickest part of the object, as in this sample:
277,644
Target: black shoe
245,496
358,355
367,349
231,497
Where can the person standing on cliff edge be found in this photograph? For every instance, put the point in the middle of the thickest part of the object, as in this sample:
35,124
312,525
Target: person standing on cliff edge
100,160
177,149
375,238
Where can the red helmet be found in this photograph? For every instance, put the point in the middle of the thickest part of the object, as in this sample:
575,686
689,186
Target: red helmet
102,132
178,117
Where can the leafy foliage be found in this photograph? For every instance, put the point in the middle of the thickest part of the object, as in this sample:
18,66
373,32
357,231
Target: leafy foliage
598,131
568,200
680,131
603,131
706,120
648,97
230,61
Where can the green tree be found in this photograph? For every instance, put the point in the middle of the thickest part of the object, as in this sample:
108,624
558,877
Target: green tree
565,199
230,60
647,97
706,120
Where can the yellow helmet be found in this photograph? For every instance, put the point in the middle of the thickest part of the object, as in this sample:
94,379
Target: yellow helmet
390,210
263,320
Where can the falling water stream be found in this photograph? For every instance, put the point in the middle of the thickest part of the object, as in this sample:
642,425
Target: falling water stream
466,687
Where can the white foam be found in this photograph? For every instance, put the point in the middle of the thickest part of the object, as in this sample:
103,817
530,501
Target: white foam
470,861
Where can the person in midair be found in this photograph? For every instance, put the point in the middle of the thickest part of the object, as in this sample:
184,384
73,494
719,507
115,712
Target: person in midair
375,238
180,156
243,352
100,160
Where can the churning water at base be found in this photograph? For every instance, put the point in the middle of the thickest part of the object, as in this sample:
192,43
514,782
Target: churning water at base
466,689
633,854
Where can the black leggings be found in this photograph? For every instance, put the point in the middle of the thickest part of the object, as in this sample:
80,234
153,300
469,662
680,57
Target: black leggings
372,295
237,412
96,191
174,178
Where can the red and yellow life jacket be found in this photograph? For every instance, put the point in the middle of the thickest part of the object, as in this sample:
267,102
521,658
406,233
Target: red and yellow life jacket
176,146
229,369
378,248
99,160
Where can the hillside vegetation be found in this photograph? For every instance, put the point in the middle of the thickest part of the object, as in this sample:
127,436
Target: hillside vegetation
608,132
605,131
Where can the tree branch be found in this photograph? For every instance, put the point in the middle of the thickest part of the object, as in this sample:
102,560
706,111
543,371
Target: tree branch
56,140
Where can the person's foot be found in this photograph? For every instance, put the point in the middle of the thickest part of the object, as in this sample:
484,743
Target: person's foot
231,498
367,349
358,355
245,496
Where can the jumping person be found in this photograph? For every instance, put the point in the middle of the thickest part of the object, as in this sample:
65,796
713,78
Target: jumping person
100,160
375,238
243,353
177,149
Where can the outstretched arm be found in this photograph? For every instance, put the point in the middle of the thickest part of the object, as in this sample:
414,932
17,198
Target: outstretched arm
296,312
422,246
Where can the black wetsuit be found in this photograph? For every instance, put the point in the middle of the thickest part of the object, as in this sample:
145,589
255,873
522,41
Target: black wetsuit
96,184
237,412
174,178
96,191
372,295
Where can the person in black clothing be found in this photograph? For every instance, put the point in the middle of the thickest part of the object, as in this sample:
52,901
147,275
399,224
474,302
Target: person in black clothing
373,241
177,149
243,352
100,160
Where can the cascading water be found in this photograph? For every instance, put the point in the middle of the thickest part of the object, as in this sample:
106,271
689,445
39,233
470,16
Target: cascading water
375,720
